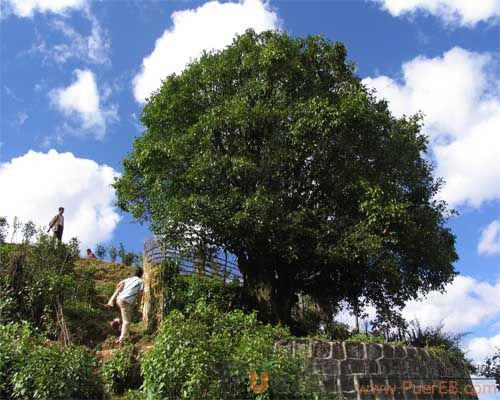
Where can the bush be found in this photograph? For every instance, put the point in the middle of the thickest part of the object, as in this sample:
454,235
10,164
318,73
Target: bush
31,368
14,345
55,373
337,331
207,353
121,371
366,338
183,292
35,279
39,280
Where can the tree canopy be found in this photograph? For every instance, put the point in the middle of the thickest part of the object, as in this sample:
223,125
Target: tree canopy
273,149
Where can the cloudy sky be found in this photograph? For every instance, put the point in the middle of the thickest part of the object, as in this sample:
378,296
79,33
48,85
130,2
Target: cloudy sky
75,75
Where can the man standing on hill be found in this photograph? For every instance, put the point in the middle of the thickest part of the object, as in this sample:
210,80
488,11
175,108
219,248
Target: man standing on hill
57,224
125,294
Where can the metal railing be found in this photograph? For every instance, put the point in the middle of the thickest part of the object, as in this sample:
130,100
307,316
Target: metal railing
218,265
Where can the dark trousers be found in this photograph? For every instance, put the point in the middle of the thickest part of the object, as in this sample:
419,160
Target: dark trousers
58,233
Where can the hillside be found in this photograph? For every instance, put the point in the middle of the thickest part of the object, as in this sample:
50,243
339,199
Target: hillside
90,326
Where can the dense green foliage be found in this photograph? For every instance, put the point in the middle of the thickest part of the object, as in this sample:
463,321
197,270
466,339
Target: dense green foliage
36,280
40,284
120,372
32,368
183,292
275,151
208,354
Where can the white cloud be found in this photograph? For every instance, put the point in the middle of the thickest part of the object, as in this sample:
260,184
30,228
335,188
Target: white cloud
460,98
27,8
482,348
462,12
489,243
20,119
93,48
82,98
38,183
466,303
209,27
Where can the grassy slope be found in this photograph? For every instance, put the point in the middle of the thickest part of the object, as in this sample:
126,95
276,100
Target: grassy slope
90,325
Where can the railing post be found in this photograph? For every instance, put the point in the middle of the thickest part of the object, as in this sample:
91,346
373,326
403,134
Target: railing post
153,296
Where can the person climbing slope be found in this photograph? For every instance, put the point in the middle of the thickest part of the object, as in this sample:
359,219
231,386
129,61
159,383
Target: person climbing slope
127,291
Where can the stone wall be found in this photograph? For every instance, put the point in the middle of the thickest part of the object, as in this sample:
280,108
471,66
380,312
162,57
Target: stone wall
385,371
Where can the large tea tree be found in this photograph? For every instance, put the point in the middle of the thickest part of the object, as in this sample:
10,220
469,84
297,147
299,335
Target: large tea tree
274,150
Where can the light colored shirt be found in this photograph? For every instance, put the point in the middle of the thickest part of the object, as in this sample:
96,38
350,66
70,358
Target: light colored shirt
131,286
57,221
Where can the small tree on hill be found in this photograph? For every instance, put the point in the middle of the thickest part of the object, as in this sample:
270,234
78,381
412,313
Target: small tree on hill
100,251
127,257
492,368
275,151
113,253
29,230
4,226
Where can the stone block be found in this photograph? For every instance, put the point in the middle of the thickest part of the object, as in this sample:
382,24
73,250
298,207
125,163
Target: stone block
327,366
357,367
346,383
399,352
371,367
355,350
373,351
330,382
423,355
411,353
322,349
388,351
338,351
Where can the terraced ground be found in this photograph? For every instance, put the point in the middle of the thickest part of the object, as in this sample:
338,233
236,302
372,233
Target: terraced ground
90,326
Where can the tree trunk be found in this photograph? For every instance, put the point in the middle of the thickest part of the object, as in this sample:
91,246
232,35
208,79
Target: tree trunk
267,292
356,315
153,296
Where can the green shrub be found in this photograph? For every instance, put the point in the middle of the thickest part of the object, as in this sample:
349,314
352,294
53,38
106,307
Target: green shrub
433,336
15,342
120,372
337,331
32,368
183,292
206,353
366,338
35,280
49,372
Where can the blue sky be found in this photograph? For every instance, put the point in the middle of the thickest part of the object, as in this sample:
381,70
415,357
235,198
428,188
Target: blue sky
74,75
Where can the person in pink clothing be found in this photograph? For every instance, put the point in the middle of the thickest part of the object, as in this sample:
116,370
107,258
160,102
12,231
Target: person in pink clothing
127,291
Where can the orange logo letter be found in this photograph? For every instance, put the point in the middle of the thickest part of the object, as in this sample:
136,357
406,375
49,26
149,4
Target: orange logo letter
264,382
